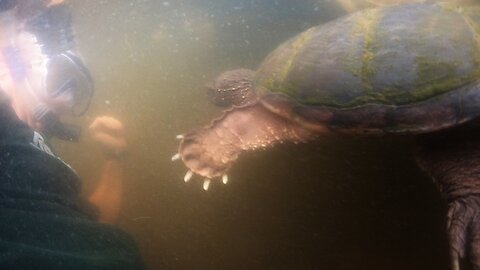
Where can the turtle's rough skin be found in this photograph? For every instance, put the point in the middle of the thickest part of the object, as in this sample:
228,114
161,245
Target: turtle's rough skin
411,69
452,159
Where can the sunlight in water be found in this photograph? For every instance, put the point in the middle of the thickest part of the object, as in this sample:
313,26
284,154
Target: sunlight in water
338,203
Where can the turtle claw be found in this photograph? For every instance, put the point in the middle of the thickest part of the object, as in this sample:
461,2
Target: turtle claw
188,176
206,184
176,157
225,179
464,232
455,263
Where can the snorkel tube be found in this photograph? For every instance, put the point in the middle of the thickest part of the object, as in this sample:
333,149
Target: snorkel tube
48,76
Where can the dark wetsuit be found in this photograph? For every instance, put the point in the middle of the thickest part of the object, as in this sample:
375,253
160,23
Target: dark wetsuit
44,223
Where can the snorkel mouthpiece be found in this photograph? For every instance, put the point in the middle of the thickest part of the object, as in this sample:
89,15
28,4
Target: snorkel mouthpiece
53,127
67,132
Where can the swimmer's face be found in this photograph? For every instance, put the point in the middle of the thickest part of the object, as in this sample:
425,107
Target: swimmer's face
61,102
27,89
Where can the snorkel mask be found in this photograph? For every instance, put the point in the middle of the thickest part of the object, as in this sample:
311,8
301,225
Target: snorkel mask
69,90
51,79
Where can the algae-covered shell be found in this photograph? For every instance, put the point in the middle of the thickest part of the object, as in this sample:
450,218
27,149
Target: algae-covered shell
398,64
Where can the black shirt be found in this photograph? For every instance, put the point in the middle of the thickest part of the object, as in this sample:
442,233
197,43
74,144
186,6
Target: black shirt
44,223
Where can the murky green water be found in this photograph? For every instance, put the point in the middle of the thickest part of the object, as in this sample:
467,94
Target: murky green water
339,203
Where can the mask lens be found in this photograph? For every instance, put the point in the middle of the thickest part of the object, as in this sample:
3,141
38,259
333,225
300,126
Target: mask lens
69,82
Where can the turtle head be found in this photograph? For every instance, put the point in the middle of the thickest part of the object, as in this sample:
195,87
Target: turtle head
232,88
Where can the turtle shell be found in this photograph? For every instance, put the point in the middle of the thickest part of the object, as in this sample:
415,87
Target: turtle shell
402,69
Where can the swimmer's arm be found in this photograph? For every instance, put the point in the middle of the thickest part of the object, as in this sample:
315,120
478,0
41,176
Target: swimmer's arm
107,196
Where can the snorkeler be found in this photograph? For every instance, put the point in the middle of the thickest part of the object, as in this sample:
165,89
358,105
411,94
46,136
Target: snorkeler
45,223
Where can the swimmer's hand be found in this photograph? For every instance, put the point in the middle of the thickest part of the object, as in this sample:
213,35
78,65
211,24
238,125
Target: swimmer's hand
110,133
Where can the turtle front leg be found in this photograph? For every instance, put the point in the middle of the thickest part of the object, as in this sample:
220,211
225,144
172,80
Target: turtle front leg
210,151
452,159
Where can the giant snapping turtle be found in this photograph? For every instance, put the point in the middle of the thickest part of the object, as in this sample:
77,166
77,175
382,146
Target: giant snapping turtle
411,69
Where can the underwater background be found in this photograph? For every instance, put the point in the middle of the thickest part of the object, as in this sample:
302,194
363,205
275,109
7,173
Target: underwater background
337,203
